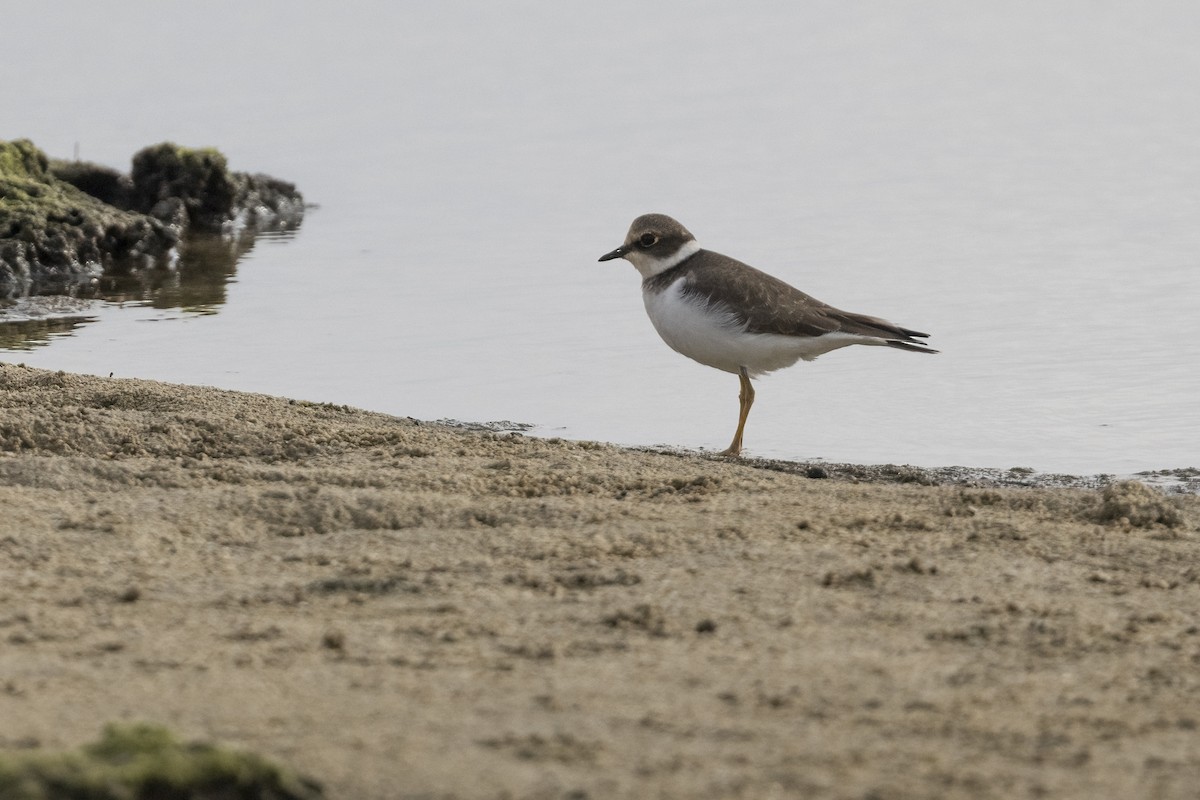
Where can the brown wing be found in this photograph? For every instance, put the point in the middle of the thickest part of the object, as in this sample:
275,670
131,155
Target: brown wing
768,305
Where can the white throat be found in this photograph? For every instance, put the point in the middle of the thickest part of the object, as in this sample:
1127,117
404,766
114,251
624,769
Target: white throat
649,266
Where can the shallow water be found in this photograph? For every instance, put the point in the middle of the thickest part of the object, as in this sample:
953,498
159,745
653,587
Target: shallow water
1019,181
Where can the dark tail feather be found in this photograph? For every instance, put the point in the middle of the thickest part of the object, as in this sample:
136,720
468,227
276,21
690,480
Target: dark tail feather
908,332
892,334
912,347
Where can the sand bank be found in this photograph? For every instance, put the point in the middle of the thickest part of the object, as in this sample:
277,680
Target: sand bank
407,610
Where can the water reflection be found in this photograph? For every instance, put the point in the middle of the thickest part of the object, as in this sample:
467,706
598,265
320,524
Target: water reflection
28,333
194,283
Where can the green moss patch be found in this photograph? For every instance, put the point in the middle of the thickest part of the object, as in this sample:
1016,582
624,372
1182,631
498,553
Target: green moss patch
139,762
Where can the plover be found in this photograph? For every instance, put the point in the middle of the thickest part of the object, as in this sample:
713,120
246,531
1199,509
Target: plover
731,316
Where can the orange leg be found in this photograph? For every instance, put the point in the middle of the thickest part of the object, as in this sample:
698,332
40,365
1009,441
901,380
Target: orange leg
745,400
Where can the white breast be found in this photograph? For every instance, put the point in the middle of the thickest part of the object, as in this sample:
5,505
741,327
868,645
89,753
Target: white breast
713,336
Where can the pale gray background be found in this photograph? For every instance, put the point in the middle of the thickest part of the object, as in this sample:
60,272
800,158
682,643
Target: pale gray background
1022,180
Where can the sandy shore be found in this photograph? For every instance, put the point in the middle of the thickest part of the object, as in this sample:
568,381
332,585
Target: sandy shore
406,610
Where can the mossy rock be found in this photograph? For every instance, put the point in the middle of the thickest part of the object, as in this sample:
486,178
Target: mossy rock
103,183
54,237
139,762
63,224
213,197
198,178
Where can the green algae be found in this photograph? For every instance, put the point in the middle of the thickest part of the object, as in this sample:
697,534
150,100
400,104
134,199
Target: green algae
22,158
137,762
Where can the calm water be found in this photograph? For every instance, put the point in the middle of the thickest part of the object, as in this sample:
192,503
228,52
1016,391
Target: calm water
1019,180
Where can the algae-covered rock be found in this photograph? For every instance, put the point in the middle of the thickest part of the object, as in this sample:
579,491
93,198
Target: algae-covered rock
63,224
132,762
54,237
103,183
214,197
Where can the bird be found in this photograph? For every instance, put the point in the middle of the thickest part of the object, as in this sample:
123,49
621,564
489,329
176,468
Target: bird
730,316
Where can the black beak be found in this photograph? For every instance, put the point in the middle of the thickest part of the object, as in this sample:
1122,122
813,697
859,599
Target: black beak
620,251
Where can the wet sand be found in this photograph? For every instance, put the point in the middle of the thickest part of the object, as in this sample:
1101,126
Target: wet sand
409,610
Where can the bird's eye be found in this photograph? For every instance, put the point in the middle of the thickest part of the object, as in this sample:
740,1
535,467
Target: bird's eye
648,240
